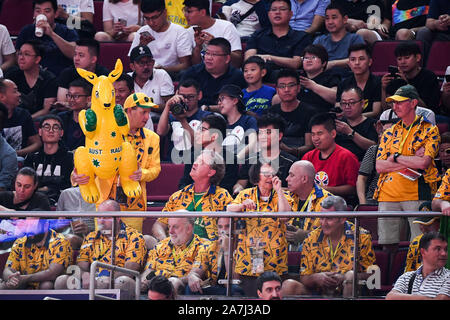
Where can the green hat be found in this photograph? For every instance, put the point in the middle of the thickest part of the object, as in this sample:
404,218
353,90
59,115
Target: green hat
404,93
139,99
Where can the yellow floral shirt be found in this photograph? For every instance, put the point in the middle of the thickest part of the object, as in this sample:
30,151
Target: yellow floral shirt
443,192
271,232
174,261
208,260
216,199
316,254
27,258
413,259
130,247
391,185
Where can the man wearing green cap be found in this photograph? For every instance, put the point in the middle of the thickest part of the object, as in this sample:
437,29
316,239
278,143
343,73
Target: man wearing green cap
405,162
146,145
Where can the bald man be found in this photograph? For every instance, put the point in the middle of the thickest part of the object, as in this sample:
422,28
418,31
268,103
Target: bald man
308,196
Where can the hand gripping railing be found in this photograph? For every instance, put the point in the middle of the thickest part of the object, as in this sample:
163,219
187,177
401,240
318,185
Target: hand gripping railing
92,280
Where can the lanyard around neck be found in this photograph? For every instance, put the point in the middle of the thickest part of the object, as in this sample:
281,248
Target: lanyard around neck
400,147
307,201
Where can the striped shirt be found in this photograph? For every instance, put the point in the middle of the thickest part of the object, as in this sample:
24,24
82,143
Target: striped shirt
436,283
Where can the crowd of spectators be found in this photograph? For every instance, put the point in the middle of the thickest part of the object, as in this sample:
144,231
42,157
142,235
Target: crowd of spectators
271,105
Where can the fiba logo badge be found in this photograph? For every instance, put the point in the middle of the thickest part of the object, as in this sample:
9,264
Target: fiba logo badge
322,178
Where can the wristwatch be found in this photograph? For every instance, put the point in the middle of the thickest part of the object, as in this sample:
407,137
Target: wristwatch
351,135
396,155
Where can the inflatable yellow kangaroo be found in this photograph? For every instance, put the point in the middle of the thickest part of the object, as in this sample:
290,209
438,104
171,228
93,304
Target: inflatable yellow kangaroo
105,126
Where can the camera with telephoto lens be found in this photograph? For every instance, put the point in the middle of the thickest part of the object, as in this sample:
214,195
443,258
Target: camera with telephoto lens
179,108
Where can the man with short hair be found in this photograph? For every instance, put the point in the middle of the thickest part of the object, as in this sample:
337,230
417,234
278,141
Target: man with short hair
197,13
327,256
58,40
169,42
174,256
36,85
308,15
269,286
38,258
19,129
336,167
79,98
86,56
53,163
215,72
280,46
202,195
356,132
130,252
432,280
405,162
123,88
155,83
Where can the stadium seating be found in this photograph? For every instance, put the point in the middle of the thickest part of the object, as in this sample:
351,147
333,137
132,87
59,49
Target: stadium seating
398,265
369,223
382,260
162,187
3,257
111,51
215,8
16,14
147,225
294,259
439,57
98,15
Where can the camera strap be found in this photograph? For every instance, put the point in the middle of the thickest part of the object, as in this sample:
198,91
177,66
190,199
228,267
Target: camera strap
245,15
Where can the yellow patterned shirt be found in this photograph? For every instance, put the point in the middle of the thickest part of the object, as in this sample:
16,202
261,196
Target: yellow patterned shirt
443,192
391,185
413,258
216,199
174,261
27,258
130,247
175,12
316,253
311,205
208,259
271,232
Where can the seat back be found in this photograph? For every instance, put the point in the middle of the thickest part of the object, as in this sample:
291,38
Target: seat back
398,265
439,57
15,14
166,184
98,15
382,261
369,223
111,51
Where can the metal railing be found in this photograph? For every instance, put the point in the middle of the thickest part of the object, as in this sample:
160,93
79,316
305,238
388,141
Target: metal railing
155,214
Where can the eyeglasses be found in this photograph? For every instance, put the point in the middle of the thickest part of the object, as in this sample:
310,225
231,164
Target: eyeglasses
214,54
221,98
289,85
26,55
189,97
267,174
75,96
145,62
282,9
350,103
310,58
48,127
154,17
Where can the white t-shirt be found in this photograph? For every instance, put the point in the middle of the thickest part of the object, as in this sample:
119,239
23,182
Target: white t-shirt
123,10
222,29
74,7
168,46
159,86
247,26
6,45
424,112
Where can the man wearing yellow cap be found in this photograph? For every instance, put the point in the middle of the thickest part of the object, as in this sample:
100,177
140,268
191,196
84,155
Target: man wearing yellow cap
405,162
146,145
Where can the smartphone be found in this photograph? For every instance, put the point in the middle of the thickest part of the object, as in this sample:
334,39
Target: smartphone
122,22
145,34
393,71
197,28
447,78
336,110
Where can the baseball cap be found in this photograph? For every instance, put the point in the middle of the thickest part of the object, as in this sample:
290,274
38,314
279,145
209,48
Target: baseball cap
404,93
426,221
140,52
139,99
234,91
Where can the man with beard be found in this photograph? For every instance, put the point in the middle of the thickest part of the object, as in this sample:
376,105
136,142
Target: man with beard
38,258
269,286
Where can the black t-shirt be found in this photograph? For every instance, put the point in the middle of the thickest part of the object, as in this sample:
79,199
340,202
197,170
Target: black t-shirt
437,8
297,123
372,90
70,74
359,10
32,99
19,128
408,14
38,201
327,79
426,84
73,135
366,129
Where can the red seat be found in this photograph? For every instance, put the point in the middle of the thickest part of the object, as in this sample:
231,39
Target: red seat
382,261
98,15
166,184
369,223
398,265
443,127
215,8
438,58
16,14
111,51
3,259
383,56
147,225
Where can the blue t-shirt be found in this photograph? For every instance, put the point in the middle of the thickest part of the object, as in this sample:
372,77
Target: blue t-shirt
259,100
338,50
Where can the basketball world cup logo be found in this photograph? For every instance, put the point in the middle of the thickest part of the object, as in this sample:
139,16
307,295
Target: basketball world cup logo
322,178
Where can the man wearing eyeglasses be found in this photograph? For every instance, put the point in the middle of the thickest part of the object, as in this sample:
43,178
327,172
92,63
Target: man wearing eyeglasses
169,42
79,98
280,46
155,83
53,163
